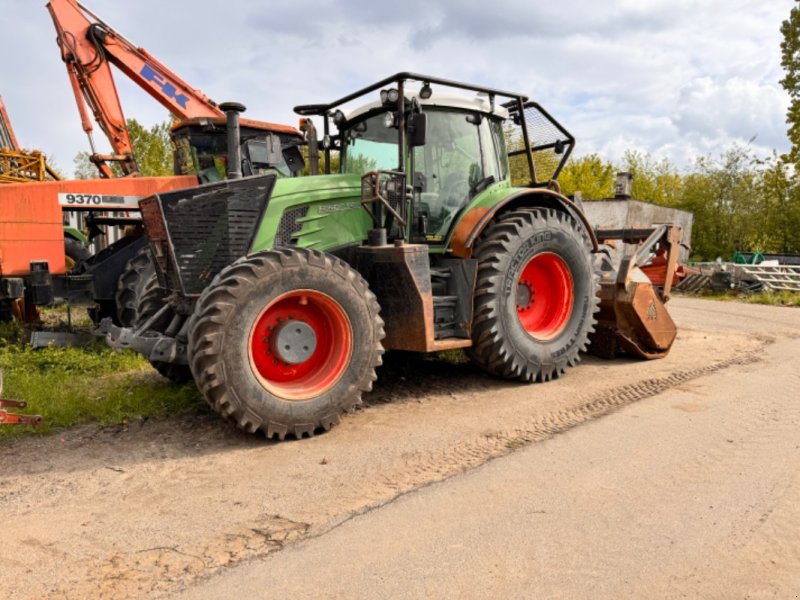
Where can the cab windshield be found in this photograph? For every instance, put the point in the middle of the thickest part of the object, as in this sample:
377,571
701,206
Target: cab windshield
460,158
205,154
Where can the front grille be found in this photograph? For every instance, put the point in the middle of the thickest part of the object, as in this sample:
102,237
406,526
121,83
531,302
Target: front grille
290,225
197,232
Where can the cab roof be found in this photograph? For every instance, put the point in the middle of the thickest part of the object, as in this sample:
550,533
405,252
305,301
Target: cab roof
399,80
478,103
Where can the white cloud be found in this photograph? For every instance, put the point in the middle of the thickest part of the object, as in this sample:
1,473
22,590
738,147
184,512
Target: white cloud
675,78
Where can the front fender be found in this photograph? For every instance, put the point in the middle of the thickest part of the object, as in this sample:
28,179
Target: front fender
486,207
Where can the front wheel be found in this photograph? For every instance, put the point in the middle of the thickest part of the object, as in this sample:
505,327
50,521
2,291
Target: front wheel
285,341
536,295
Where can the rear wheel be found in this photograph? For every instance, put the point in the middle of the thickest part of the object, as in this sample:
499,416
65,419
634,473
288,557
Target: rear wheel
536,295
285,341
130,288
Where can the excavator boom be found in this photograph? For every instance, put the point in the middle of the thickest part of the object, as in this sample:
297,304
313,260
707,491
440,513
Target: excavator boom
89,47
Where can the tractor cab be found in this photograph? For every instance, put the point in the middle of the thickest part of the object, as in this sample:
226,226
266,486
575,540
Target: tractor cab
457,141
201,149
458,152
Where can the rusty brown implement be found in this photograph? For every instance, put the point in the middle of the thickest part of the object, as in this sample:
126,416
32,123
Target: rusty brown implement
633,318
7,418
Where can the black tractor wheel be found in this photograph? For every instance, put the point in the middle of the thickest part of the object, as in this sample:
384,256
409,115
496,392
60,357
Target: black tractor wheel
285,341
137,274
151,301
75,252
536,295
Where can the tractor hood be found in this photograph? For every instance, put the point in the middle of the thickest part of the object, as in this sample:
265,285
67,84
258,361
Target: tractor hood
322,212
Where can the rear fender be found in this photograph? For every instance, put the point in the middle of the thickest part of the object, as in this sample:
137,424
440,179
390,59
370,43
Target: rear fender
478,216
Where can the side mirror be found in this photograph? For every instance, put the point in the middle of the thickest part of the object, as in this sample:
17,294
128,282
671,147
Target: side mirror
417,129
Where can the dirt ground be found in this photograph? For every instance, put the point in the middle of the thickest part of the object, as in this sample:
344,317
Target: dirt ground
161,505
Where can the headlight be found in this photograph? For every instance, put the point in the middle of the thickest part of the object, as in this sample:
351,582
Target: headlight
389,120
426,91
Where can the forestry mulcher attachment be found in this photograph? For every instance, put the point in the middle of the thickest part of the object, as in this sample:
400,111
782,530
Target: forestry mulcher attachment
279,295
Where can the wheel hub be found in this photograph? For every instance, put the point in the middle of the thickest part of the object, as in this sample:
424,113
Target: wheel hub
300,344
293,342
524,295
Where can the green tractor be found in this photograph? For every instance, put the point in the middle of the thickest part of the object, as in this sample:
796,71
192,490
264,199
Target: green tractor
280,294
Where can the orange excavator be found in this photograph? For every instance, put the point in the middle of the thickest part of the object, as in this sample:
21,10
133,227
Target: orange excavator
40,260
89,47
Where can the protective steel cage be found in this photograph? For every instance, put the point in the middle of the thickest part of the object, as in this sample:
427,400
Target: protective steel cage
197,232
535,130
550,143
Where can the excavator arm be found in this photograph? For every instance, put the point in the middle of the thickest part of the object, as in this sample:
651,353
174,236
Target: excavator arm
89,47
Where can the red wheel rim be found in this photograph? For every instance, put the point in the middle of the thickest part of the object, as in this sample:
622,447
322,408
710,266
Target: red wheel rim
544,296
329,358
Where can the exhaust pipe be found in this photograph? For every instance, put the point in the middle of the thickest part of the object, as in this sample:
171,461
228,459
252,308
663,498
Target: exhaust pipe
232,110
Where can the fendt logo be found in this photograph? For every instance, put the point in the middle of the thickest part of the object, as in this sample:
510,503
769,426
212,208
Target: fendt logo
170,91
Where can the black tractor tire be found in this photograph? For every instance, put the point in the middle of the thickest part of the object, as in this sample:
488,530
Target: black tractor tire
75,252
152,299
130,287
501,344
226,341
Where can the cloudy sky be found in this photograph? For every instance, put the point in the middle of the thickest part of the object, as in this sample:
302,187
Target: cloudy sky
676,78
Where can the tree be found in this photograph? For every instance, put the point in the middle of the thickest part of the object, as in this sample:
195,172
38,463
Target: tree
656,181
724,195
781,203
790,60
151,147
590,175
